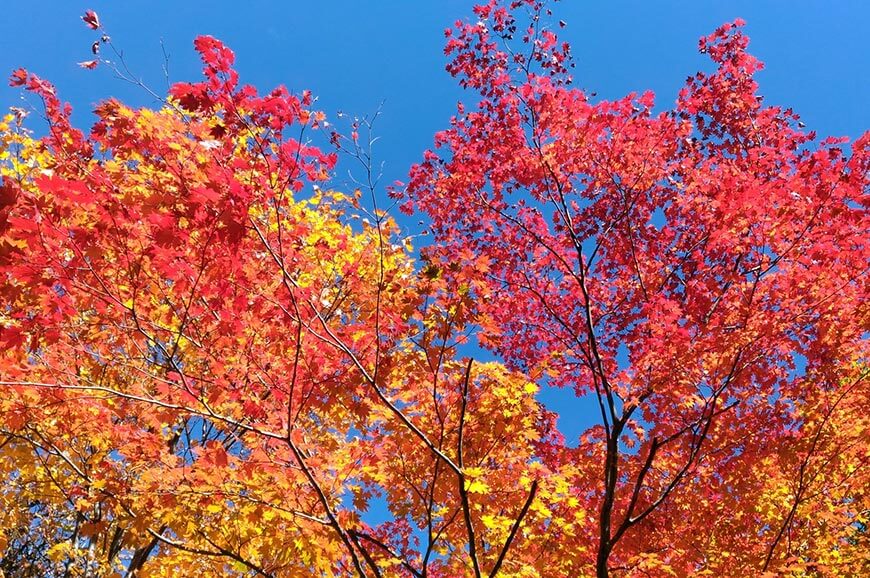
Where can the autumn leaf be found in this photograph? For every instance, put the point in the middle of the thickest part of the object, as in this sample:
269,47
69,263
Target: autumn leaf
18,77
91,19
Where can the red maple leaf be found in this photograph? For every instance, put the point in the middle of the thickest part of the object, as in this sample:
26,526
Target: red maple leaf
91,19
8,192
18,77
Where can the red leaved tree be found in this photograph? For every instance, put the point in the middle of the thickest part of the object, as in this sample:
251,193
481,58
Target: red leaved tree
700,271
214,365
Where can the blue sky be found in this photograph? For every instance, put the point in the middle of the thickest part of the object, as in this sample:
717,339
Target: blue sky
355,55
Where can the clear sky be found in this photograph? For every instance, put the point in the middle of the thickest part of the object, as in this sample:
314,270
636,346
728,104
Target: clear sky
356,54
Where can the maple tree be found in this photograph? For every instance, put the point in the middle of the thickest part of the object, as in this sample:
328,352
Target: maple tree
214,364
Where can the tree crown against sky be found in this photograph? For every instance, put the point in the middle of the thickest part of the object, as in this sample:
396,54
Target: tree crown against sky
215,363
